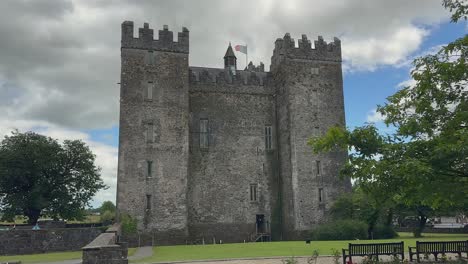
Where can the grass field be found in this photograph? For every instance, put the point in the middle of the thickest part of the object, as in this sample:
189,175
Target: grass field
50,257
292,248
239,250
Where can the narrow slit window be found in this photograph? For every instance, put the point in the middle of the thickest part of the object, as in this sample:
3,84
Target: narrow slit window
320,194
149,91
150,59
204,133
149,132
317,167
253,192
148,202
268,137
149,168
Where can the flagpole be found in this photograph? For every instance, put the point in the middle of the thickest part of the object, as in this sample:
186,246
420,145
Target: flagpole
246,57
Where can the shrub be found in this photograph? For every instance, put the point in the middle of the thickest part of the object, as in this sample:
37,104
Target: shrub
107,217
340,230
128,224
384,232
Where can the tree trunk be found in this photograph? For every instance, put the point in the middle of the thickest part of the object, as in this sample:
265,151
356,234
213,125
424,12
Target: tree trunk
389,218
33,215
422,223
371,221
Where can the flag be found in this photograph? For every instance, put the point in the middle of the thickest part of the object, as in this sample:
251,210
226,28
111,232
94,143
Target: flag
241,48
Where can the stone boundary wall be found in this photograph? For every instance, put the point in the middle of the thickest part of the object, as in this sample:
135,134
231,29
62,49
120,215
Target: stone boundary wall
435,230
106,248
23,241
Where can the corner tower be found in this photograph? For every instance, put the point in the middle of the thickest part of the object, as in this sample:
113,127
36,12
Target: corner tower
309,99
153,135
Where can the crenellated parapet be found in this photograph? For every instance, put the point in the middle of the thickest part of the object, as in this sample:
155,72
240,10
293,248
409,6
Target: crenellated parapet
146,39
220,76
285,48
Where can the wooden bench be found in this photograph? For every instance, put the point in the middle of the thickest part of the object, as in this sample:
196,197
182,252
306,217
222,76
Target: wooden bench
373,250
438,247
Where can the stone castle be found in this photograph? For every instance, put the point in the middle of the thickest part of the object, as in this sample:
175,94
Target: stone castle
221,154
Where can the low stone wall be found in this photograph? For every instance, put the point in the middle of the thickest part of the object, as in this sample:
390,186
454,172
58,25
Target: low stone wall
23,241
106,249
434,230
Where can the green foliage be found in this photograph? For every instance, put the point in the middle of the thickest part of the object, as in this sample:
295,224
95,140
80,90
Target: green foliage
107,206
361,206
340,230
313,259
384,232
40,176
423,164
128,224
107,217
290,260
336,256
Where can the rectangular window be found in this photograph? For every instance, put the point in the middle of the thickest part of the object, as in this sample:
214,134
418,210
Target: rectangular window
320,194
148,202
253,192
150,58
149,168
203,133
149,132
268,137
149,91
317,131
317,167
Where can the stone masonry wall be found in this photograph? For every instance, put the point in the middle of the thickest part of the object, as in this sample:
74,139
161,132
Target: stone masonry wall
190,193
16,242
310,100
154,130
220,205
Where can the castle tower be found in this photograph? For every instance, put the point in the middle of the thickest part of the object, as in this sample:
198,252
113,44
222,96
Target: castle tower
230,60
153,136
309,100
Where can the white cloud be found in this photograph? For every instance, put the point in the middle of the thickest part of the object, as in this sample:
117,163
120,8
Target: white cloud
393,49
60,59
374,117
406,83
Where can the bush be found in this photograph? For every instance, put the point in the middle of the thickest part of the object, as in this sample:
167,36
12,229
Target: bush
128,224
107,217
340,230
384,232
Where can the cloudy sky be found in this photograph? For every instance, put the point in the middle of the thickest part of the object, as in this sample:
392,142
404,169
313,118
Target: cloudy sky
60,59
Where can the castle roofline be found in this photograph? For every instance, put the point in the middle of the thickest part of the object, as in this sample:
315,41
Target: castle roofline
229,52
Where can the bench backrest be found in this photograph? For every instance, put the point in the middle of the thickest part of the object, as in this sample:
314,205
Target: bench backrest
441,246
376,248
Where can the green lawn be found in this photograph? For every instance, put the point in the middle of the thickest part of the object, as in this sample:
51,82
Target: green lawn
239,250
293,248
50,257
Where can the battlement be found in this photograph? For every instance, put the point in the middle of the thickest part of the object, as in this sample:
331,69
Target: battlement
285,47
221,77
146,39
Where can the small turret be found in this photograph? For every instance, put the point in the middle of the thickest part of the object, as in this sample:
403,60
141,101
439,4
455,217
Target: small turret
230,60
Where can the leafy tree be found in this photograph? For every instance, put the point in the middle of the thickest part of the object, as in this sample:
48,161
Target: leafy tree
107,206
39,176
424,163
364,206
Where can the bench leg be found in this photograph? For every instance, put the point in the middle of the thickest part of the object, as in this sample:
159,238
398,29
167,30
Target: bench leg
417,257
350,259
435,256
